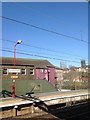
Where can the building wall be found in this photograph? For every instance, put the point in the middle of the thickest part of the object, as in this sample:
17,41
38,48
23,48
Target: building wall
46,74
42,73
20,76
52,76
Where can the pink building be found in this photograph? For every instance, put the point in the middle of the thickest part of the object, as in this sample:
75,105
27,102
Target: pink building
46,71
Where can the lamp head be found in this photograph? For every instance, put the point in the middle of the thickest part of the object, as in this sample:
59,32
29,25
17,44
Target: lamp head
19,41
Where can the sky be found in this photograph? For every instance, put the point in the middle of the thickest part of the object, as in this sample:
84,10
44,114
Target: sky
56,31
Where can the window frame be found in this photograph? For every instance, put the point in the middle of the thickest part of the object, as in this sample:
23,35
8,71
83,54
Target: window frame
25,71
32,71
6,70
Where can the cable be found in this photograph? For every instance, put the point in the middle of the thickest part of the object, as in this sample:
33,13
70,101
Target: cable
43,48
39,56
50,31
40,53
37,53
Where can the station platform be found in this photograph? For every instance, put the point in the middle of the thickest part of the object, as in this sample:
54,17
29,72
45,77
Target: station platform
8,102
73,95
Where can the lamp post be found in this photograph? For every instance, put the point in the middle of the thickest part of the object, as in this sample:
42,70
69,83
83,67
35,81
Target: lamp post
13,82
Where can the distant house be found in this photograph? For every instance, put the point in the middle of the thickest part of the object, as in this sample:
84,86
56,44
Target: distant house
58,74
58,77
28,69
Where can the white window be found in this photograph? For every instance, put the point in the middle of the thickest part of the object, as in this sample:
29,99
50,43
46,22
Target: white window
41,70
31,71
45,70
5,71
23,71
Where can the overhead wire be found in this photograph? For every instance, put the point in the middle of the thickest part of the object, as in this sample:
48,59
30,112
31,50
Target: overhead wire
40,56
47,30
39,53
44,49
37,11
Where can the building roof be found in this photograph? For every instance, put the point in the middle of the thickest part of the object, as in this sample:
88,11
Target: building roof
27,62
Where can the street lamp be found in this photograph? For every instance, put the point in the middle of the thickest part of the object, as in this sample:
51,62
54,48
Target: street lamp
13,82
18,42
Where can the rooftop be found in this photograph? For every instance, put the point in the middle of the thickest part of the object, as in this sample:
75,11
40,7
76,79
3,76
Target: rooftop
27,62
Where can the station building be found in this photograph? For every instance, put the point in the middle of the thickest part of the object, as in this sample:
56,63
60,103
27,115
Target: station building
28,69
